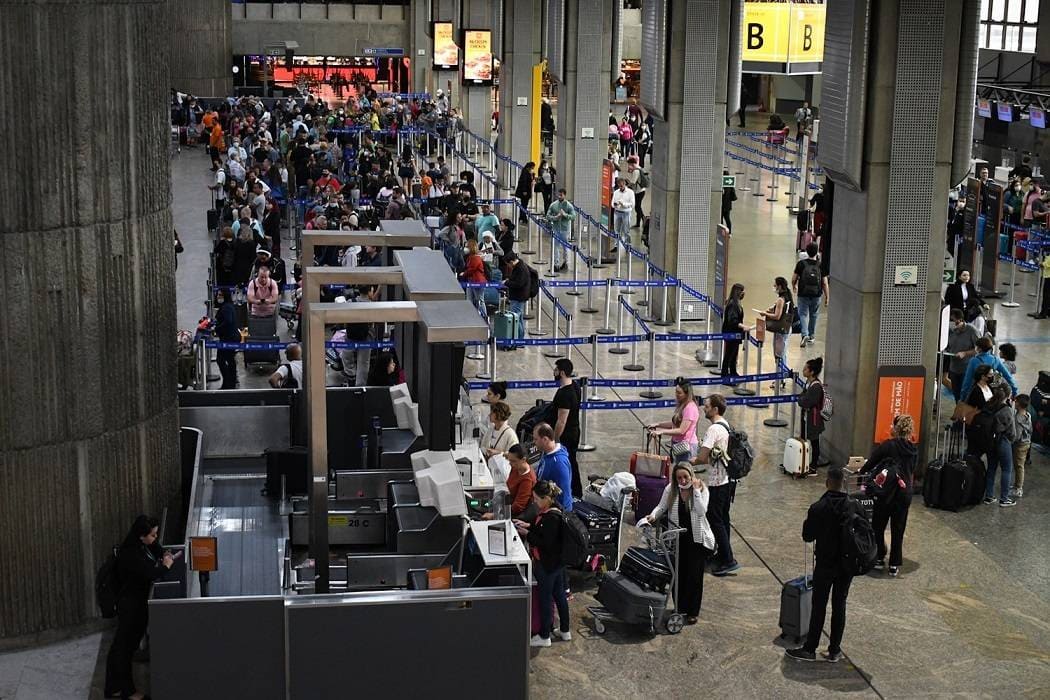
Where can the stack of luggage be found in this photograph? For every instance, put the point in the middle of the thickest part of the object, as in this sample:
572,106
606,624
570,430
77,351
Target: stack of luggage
951,480
603,530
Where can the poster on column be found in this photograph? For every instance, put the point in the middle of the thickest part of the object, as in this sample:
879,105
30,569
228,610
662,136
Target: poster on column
608,177
446,53
477,57
900,392
992,210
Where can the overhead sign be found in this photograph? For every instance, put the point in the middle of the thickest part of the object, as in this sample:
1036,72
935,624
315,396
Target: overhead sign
446,53
900,392
783,37
477,57
385,52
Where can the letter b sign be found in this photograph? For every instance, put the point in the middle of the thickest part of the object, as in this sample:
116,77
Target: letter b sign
807,37
754,36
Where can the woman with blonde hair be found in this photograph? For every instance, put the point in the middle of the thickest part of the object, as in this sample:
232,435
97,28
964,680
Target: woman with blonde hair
685,502
897,457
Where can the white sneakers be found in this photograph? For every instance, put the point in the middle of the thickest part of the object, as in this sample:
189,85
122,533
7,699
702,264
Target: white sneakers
540,642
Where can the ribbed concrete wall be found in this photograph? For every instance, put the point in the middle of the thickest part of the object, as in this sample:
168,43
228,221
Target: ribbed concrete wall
88,422
200,46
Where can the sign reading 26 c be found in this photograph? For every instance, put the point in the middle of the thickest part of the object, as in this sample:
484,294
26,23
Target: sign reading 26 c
779,34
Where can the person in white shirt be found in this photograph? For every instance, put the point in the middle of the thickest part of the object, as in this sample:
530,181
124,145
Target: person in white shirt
237,171
238,151
685,501
290,374
623,207
499,437
713,449
219,188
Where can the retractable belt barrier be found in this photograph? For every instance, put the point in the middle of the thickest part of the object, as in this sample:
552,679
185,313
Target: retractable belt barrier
336,344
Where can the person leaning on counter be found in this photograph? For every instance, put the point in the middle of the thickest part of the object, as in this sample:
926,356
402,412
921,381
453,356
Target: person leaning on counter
520,481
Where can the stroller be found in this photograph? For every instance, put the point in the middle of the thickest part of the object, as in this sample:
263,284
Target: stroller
640,603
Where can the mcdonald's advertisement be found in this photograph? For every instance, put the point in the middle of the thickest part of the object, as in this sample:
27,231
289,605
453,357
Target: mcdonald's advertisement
477,57
446,53
783,37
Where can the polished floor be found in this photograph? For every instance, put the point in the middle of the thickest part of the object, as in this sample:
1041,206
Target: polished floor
968,616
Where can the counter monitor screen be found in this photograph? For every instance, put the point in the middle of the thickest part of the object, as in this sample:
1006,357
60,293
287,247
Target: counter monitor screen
1037,117
1005,111
984,108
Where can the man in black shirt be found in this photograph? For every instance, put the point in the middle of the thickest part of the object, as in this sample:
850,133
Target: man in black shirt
567,425
824,525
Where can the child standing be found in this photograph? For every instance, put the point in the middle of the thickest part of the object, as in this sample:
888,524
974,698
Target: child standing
1008,354
1023,430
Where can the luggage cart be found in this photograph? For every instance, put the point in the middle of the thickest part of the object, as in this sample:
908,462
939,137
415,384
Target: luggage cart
672,621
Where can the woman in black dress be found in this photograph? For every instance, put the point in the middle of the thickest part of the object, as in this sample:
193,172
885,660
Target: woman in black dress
732,322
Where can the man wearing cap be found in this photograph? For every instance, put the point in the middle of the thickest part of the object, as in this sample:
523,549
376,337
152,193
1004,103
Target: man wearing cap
264,258
486,222
561,215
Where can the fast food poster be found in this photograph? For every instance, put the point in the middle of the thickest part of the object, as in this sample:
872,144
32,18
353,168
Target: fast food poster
477,57
446,52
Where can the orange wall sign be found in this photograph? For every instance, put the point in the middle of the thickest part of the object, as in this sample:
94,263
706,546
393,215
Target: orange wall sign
900,391
204,554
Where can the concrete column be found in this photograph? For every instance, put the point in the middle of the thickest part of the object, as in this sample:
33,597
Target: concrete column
200,46
88,414
583,101
898,219
421,43
685,197
476,102
521,52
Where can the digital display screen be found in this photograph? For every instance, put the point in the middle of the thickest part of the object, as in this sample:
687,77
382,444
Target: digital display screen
984,108
1037,117
446,53
477,57
1005,111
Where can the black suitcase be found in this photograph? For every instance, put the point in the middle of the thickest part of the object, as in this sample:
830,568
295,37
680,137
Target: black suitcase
292,464
931,484
630,602
213,219
796,603
976,475
954,485
595,517
262,329
646,568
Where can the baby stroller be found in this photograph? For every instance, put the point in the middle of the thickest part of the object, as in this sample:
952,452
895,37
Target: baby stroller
626,599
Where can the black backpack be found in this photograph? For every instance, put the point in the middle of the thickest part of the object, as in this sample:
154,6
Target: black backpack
982,433
574,539
741,454
809,280
534,283
107,585
888,471
290,381
856,541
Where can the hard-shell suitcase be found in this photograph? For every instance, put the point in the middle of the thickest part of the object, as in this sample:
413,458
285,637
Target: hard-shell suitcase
650,491
652,473
947,484
797,455
505,325
796,604
291,463
630,602
646,568
931,484
976,474
603,529
213,219
262,329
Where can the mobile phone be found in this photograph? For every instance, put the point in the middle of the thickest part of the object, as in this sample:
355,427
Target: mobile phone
177,554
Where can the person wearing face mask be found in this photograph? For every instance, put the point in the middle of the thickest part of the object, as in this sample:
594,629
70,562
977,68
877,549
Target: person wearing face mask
811,401
1013,204
685,502
544,538
732,322
566,405
961,346
779,318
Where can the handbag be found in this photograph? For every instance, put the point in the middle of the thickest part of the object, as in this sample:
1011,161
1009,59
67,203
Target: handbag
680,450
965,412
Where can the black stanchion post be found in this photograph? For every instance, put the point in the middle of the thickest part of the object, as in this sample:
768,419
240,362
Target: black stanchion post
651,392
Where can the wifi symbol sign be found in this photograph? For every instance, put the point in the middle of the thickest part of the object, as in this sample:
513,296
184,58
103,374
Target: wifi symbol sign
906,275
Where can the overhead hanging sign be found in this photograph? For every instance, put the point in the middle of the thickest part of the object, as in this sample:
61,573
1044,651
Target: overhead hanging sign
477,57
783,37
446,52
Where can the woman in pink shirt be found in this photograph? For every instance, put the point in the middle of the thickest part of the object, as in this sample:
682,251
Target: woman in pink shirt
682,426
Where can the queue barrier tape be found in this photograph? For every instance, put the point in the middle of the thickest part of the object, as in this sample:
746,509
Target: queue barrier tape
606,339
698,336
510,342
338,345
1023,264
517,384
699,381
644,283
670,403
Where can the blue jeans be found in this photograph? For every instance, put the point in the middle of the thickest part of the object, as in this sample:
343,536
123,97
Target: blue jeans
551,588
1001,456
622,224
518,309
808,310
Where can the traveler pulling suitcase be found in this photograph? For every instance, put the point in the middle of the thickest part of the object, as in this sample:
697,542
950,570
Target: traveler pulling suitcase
797,455
796,603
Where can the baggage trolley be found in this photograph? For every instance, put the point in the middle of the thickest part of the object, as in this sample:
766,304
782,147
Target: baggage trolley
600,554
671,620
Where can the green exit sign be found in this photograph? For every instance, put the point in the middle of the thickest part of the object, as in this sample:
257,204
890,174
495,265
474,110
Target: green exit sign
728,181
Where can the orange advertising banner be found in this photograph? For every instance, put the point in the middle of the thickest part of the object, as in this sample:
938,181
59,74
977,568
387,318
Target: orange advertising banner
899,394
204,554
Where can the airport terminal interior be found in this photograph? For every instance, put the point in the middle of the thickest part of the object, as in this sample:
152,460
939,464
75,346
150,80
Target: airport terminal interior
362,349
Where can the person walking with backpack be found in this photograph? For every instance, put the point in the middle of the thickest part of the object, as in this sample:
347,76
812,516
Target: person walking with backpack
831,577
1000,448
897,456
809,283
811,401
685,502
544,537
714,451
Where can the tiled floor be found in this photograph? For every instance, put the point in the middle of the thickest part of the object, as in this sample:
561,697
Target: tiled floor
968,616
